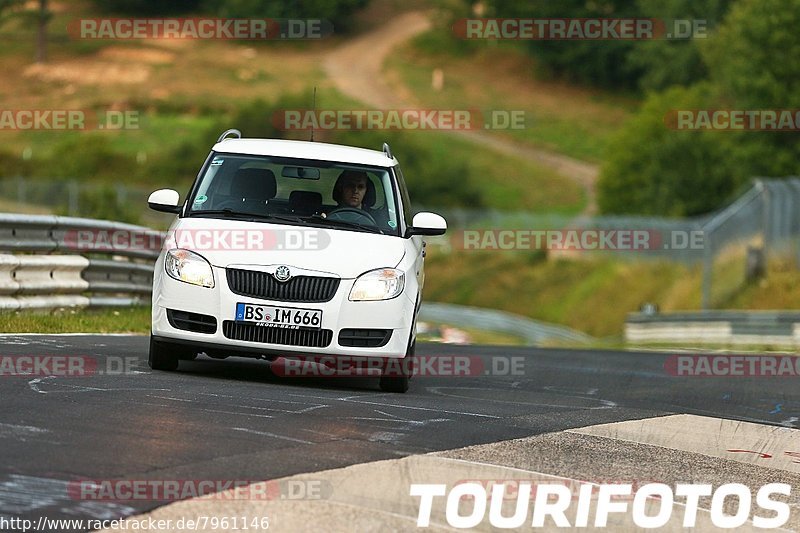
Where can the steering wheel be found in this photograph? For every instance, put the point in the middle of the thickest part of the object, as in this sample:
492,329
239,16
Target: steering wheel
359,213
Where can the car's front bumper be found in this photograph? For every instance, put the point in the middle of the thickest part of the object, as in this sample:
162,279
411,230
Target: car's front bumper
339,313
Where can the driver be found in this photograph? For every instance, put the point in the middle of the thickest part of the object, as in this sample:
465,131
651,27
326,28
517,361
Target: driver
350,189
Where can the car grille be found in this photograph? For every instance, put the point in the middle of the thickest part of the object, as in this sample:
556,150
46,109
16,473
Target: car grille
192,321
313,338
310,289
364,338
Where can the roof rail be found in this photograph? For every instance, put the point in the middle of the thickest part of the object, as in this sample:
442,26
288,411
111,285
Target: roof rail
387,150
228,132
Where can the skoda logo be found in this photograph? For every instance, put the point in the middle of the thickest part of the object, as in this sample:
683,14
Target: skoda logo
282,273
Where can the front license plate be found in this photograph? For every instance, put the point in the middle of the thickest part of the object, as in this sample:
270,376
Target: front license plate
271,316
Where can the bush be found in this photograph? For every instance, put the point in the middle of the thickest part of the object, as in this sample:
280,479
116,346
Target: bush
651,169
87,156
12,166
102,202
666,63
147,7
600,63
339,12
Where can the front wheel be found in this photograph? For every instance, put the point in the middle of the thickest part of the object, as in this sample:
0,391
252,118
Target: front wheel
400,383
162,356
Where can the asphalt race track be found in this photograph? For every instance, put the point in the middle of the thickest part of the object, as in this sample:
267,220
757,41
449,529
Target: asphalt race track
234,419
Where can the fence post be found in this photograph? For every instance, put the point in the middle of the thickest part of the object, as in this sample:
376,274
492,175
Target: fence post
72,198
708,271
21,192
765,218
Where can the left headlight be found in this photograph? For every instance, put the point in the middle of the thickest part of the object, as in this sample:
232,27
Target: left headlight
189,267
381,284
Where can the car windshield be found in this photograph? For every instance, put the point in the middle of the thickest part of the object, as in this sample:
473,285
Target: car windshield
283,190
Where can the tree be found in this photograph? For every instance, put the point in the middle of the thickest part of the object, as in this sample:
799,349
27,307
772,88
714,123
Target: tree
601,63
665,63
147,7
751,66
11,9
652,169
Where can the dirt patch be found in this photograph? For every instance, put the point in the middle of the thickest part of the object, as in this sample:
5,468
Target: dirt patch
89,73
137,55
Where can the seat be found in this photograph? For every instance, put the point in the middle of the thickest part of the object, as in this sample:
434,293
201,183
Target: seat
305,203
251,190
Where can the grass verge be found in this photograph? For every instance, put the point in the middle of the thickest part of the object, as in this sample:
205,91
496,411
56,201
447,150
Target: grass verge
593,295
116,320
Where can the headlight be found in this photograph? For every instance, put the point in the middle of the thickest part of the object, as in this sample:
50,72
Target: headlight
381,284
190,267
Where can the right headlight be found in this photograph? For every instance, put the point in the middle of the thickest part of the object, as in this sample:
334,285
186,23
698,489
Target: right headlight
189,267
380,284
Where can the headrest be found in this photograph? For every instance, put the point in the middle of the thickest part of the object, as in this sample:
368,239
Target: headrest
305,201
254,184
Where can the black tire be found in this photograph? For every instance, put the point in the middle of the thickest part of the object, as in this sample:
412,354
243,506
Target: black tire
163,356
399,384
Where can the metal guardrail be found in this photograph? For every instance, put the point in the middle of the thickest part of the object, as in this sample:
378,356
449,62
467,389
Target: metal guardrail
534,333
765,218
776,328
71,274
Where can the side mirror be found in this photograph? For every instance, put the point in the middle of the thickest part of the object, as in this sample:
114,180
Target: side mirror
427,224
165,200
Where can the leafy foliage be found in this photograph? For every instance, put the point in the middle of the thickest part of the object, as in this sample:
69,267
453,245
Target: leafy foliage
337,11
750,66
659,171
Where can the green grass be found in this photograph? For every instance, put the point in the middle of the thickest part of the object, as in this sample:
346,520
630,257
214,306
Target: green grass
563,118
116,320
594,294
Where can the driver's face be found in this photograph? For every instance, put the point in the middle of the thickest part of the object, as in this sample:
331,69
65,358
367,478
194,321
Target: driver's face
353,191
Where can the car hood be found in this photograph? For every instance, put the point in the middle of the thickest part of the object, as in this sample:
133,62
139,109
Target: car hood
344,253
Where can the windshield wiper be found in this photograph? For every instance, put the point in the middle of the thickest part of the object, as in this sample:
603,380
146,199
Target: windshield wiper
227,212
285,218
347,223
252,216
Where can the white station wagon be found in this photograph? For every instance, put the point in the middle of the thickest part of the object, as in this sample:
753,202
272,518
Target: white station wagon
291,248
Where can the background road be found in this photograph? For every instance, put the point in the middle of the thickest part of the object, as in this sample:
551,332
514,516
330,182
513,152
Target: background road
234,420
